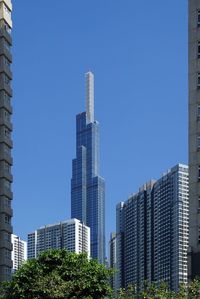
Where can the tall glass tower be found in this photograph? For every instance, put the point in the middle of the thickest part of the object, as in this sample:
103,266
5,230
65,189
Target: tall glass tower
87,187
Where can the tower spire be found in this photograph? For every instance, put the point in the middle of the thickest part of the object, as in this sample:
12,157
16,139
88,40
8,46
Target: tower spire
90,96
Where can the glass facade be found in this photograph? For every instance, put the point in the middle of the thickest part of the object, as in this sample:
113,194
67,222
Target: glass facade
87,187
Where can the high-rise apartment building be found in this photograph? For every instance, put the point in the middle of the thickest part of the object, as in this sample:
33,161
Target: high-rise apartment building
119,275
19,252
135,246
5,140
194,138
87,187
112,257
171,227
72,235
155,232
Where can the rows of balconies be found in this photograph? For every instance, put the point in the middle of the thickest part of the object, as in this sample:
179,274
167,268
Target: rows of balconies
5,140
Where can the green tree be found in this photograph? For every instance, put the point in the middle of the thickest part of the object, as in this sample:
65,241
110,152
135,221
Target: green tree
161,291
194,289
59,274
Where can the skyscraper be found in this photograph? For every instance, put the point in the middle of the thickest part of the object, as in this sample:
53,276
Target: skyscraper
171,227
112,257
119,275
70,234
5,140
19,252
87,187
194,138
152,238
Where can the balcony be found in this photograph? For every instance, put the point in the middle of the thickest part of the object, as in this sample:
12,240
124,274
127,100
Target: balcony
4,191
6,35
7,140
6,52
6,227
5,122
6,174
6,210
8,3
5,104
5,86
5,157
5,66
5,261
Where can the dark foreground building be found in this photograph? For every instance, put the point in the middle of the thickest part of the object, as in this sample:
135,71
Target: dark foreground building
5,140
87,186
194,138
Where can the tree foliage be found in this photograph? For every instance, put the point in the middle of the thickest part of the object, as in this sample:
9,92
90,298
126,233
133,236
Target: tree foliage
154,291
58,274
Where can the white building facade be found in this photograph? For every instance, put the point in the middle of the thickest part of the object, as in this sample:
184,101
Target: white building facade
19,252
72,235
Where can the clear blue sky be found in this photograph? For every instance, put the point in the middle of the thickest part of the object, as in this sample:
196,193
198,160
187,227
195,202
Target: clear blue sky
138,53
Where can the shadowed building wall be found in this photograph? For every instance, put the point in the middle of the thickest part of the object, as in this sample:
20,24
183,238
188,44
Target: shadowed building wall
194,138
5,140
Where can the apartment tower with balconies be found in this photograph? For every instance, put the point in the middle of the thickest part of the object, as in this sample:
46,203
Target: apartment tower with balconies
194,138
5,140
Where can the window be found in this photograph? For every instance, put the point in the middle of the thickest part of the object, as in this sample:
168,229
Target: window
7,167
7,133
198,17
7,45
7,253
7,10
7,149
7,115
7,98
198,142
199,173
199,235
7,28
198,111
7,80
7,237
198,80
7,202
7,62
7,219
7,184
199,205
198,49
